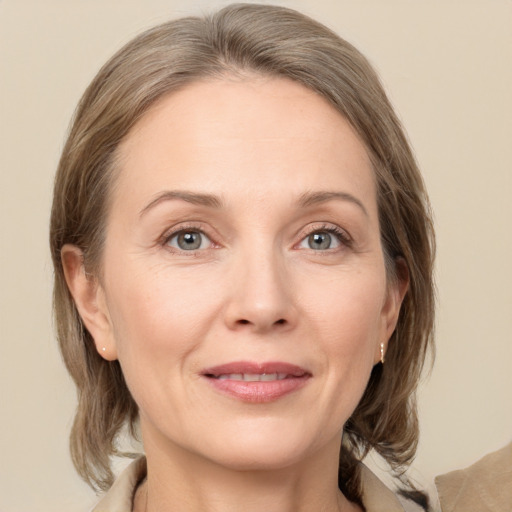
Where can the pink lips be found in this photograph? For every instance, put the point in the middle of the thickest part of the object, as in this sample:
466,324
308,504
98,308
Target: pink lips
256,382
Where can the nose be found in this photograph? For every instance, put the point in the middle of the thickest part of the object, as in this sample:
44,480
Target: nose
261,298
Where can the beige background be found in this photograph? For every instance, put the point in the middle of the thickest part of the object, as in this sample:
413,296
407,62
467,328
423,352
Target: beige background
448,67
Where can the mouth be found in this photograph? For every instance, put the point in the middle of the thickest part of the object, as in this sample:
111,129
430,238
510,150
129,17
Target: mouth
256,382
251,377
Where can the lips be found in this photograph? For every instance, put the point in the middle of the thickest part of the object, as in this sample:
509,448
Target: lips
256,382
252,377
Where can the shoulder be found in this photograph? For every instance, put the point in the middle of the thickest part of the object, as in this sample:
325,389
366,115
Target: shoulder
120,496
484,486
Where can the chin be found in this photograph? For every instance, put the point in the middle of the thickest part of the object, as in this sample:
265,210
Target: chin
260,449
258,460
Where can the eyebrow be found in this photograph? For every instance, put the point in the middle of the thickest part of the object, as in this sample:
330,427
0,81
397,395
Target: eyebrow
212,201
314,198
190,197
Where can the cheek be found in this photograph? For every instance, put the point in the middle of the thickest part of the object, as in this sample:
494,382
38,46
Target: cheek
158,318
347,308
347,318
154,301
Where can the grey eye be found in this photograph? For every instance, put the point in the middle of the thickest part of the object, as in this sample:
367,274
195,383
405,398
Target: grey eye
189,240
319,241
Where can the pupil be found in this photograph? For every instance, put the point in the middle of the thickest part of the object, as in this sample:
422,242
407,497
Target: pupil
320,241
189,241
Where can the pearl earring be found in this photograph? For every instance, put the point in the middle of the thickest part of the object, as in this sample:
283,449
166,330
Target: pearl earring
382,353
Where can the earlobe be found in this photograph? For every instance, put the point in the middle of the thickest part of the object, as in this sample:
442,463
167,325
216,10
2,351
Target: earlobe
90,301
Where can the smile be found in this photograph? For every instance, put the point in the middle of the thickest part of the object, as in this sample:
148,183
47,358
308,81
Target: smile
256,382
252,377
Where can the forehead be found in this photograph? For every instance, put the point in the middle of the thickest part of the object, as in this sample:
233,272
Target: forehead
244,137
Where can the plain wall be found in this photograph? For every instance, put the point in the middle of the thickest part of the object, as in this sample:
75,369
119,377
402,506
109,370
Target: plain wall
448,68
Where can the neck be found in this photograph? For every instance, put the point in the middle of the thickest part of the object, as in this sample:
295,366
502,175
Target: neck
180,480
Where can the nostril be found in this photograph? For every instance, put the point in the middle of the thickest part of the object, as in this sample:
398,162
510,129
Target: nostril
244,321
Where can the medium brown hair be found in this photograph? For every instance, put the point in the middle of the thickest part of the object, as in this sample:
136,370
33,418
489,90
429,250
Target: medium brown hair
270,41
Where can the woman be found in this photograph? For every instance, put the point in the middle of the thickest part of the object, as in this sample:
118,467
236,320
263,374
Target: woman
243,269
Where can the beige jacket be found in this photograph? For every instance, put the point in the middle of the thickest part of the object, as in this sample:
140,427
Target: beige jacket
376,496
486,486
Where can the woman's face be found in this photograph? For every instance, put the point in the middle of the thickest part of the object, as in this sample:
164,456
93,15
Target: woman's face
244,290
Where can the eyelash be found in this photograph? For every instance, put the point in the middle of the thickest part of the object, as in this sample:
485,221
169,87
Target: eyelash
340,234
187,228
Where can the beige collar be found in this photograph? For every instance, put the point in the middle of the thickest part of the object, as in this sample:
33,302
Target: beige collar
376,496
119,498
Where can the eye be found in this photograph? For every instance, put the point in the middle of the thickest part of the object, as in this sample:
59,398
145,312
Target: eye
324,239
188,240
321,241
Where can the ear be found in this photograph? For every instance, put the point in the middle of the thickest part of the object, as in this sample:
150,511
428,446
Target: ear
90,302
397,288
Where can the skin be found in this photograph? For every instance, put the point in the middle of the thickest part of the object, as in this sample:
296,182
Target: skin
255,290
